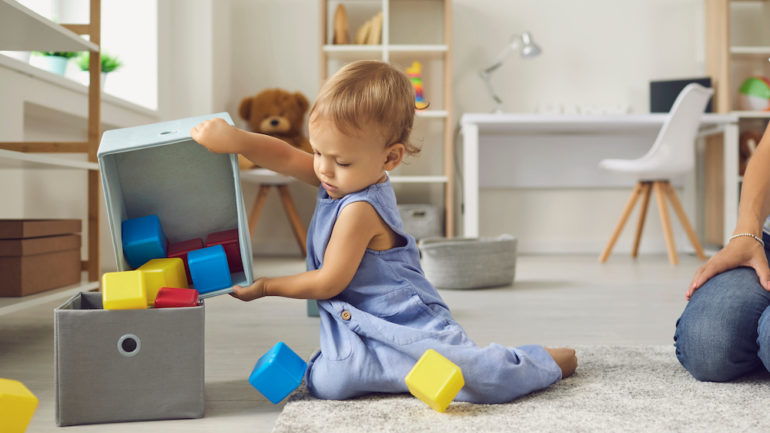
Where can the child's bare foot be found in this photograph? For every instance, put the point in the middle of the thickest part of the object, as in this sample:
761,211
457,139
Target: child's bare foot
565,358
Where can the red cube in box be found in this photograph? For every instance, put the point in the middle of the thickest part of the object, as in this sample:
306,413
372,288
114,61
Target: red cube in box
229,240
170,297
180,250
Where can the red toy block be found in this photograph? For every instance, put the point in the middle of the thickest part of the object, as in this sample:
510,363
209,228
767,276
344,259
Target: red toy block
229,240
180,250
169,297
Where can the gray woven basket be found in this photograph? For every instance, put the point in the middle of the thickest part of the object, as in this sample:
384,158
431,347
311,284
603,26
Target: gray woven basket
422,220
469,263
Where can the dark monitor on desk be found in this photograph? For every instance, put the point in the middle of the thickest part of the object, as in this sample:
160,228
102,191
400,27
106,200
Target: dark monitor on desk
664,92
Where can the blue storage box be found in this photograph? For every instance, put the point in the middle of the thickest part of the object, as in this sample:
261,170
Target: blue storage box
143,240
278,373
158,169
209,269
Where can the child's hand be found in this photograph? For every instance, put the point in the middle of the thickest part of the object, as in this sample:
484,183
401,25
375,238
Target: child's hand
565,358
215,135
254,291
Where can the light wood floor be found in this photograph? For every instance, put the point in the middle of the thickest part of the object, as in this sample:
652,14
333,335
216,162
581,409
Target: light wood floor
555,301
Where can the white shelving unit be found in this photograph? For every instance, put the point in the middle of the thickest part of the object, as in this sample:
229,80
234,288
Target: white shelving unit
428,40
737,47
24,30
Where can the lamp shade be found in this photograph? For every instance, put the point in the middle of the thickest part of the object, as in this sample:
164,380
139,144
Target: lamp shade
528,47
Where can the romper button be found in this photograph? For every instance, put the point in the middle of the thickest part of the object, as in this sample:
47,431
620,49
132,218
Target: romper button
345,315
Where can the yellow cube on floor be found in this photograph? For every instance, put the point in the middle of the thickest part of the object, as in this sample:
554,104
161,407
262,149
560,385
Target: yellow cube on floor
163,273
435,380
123,291
17,405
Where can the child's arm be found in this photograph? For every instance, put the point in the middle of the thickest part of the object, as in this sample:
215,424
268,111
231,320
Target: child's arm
218,136
357,225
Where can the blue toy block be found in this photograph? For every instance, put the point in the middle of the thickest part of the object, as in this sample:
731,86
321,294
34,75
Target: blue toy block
209,269
278,373
143,240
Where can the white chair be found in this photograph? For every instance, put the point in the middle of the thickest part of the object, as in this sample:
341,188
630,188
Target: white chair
268,179
673,153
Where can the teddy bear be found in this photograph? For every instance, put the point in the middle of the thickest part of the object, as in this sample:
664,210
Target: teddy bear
278,113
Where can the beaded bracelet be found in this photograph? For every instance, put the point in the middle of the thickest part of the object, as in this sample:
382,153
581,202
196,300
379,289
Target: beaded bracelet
751,235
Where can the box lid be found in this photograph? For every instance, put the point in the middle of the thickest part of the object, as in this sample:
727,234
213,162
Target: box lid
41,245
32,228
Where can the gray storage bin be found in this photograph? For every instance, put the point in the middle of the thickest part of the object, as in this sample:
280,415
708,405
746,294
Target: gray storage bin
127,365
469,263
159,169
422,220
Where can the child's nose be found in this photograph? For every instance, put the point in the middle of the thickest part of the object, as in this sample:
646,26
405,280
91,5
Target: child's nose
326,167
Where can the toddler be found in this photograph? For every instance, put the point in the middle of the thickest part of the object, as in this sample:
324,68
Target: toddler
379,313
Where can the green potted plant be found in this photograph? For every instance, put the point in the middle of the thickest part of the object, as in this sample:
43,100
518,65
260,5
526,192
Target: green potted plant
109,64
53,61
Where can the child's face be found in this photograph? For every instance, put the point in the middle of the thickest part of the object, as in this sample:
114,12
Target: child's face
347,163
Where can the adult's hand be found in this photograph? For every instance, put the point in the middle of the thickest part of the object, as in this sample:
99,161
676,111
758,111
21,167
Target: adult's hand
740,251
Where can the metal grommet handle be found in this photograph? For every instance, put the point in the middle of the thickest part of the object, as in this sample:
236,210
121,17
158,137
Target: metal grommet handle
129,345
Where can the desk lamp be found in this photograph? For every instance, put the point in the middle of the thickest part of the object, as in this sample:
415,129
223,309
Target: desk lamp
522,42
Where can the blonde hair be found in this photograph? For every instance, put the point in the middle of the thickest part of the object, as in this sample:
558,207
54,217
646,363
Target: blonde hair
369,93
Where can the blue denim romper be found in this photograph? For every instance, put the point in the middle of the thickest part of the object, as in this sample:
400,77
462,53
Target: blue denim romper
389,315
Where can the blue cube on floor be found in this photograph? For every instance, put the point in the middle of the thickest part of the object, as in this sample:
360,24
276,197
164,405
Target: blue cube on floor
278,373
143,240
209,269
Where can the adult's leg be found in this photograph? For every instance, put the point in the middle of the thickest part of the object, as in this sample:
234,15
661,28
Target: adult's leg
763,340
716,336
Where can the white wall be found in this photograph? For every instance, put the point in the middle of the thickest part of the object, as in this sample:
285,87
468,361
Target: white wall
596,53
599,53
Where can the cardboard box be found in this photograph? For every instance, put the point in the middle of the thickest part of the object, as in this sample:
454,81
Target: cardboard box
127,365
159,169
38,255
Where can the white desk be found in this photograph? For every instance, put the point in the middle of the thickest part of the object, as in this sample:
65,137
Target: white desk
565,128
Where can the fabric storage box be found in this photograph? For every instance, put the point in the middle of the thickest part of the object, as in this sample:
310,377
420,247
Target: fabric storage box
469,263
127,365
38,255
158,169
422,220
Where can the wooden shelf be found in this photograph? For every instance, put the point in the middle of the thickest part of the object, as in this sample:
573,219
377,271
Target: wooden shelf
752,114
12,305
432,113
24,30
418,179
418,49
431,46
13,159
357,49
750,51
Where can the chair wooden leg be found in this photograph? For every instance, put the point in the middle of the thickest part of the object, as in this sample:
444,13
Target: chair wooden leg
291,211
660,196
677,205
623,218
646,190
256,208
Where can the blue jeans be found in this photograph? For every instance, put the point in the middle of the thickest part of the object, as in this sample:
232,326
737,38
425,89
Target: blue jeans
724,332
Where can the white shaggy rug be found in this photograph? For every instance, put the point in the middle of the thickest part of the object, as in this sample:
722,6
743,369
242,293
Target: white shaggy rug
615,389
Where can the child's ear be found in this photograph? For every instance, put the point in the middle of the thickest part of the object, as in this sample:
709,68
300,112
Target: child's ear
394,154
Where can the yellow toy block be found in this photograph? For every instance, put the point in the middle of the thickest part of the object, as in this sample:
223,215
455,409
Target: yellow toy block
435,380
17,405
124,291
163,273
